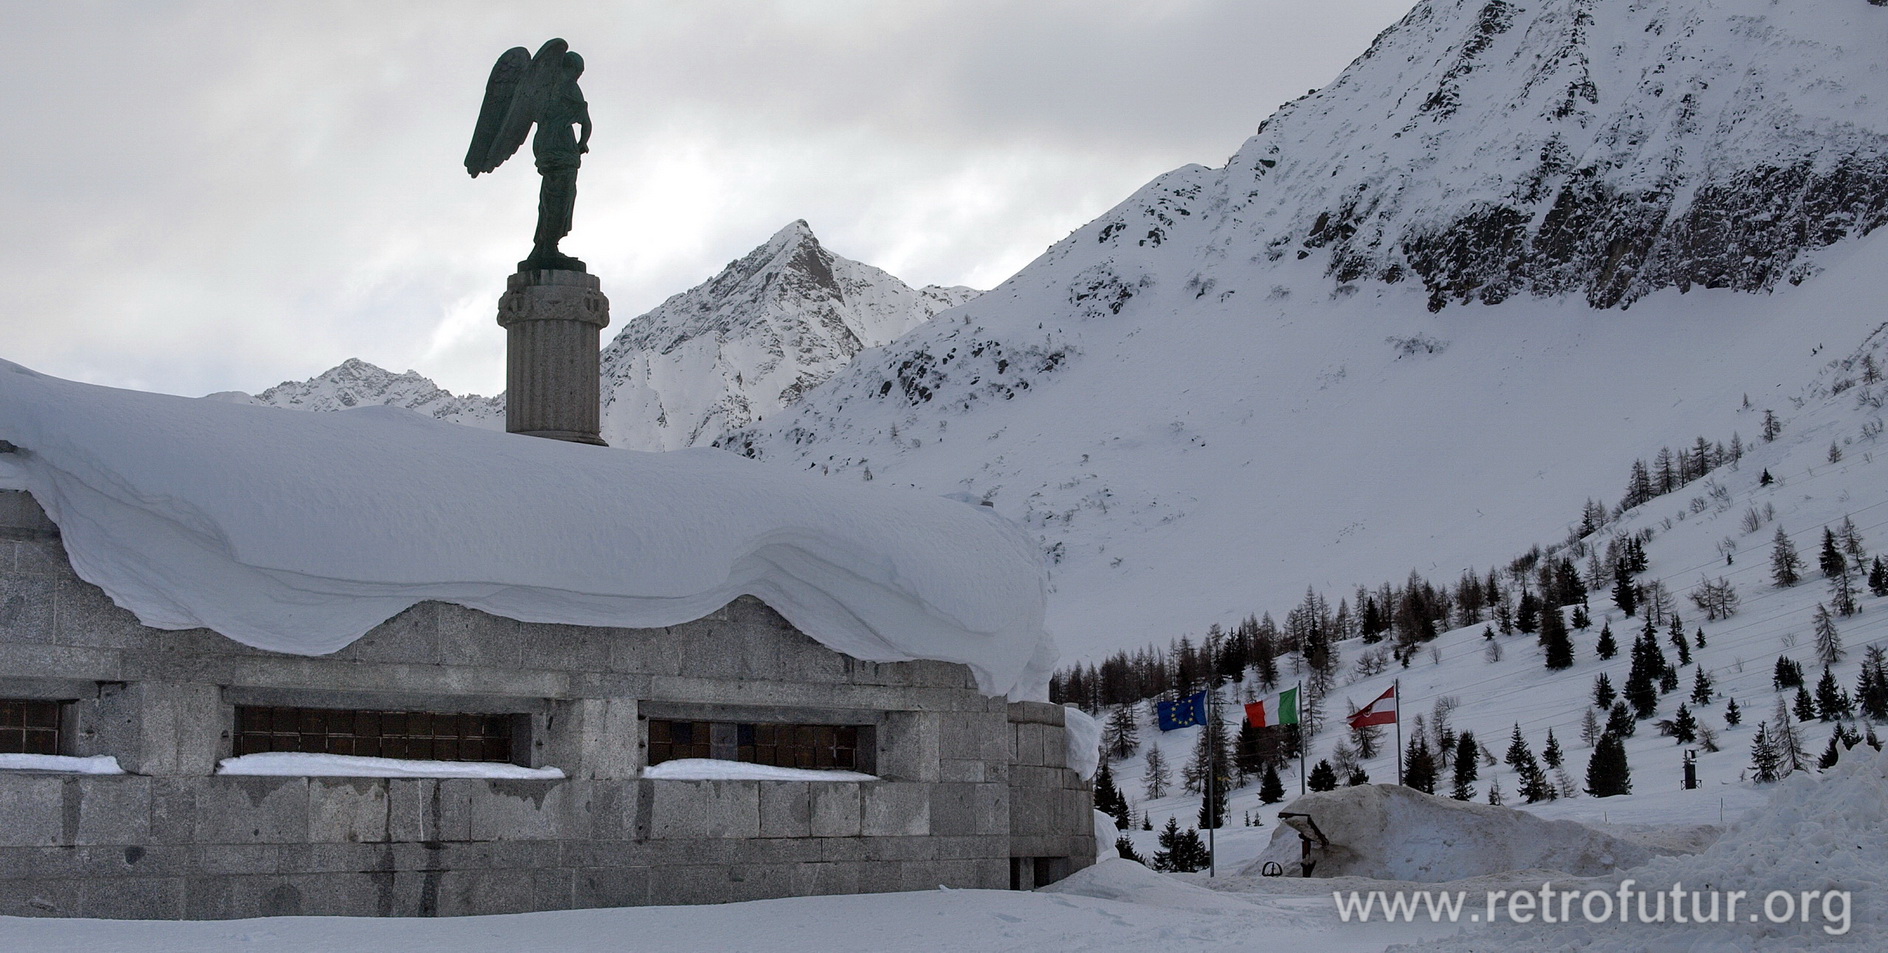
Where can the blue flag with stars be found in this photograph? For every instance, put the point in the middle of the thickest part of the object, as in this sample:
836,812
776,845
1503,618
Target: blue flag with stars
1185,713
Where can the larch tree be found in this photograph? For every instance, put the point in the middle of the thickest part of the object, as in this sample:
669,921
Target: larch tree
1786,567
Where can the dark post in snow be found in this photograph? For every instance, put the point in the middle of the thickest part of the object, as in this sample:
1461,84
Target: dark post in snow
553,310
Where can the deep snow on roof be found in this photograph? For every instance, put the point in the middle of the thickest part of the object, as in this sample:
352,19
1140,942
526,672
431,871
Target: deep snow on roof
300,532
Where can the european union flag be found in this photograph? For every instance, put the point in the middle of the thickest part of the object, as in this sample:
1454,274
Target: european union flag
1185,713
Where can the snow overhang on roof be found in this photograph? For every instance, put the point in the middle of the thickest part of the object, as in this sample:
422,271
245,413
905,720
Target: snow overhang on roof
299,532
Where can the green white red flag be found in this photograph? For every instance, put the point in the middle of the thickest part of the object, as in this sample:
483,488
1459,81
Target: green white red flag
1279,709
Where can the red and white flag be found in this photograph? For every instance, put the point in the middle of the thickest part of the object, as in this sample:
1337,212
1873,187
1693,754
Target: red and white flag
1379,712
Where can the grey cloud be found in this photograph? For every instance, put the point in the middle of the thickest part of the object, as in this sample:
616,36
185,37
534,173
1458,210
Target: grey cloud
206,196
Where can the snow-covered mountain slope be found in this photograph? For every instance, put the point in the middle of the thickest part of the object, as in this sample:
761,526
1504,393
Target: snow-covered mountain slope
751,340
723,354
1235,383
1730,512
356,383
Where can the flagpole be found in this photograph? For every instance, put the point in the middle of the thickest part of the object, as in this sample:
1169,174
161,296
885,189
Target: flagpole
1396,686
1303,742
1212,781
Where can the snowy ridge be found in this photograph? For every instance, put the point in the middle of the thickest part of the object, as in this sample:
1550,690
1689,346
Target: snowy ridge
751,340
1233,384
743,344
356,383
300,532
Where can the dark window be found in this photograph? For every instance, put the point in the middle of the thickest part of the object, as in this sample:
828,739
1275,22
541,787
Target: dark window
418,735
29,726
784,746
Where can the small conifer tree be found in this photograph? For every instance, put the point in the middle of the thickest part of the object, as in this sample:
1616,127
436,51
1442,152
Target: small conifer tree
1607,646
1832,702
1589,728
1419,765
1271,789
1181,851
1323,777
1603,693
1684,725
1804,707
1765,764
1786,567
1467,767
1556,641
1154,775
1619,720
1828,641
1871,690
1607,772
1125,848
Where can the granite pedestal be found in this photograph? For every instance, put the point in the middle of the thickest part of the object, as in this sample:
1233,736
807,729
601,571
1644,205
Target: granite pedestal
553,319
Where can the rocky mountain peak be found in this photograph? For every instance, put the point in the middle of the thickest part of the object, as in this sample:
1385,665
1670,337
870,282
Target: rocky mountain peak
752,339
749,341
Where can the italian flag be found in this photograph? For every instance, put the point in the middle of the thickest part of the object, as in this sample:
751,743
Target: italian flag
1280,709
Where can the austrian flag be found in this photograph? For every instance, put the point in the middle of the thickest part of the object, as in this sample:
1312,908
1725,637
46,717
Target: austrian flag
1379,712
1280,709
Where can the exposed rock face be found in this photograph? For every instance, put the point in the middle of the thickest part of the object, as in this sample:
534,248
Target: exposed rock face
1490,148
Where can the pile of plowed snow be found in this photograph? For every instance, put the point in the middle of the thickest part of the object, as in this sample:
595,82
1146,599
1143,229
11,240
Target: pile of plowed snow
1822,838
1391,832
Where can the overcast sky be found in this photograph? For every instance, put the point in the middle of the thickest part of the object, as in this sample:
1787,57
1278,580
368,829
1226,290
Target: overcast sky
205,196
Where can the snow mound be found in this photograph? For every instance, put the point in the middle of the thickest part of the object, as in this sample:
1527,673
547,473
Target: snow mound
1391,832
300,532
1083,734
710,769
1816,834
296,764
65,764
1125,881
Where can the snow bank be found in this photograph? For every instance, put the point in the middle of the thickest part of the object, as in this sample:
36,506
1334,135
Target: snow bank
1105,836
1084,740
1125,881
709,769
1391,832
300,532
291,764
62,764
1816,834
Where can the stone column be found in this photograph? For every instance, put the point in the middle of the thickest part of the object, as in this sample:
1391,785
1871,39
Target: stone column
553,319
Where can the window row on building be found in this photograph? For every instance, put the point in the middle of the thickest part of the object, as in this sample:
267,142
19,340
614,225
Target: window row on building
40,726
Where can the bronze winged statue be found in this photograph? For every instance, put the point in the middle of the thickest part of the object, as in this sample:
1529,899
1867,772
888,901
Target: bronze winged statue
541,89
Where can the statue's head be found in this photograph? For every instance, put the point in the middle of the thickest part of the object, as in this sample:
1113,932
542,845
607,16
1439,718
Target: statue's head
573,64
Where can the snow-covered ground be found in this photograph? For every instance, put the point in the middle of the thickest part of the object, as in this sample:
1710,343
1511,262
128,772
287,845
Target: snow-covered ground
1117,907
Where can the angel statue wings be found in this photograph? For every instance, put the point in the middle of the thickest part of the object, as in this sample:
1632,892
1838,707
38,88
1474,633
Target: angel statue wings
541,89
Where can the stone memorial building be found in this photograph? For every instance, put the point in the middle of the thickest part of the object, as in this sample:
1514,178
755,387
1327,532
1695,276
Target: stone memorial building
910,774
